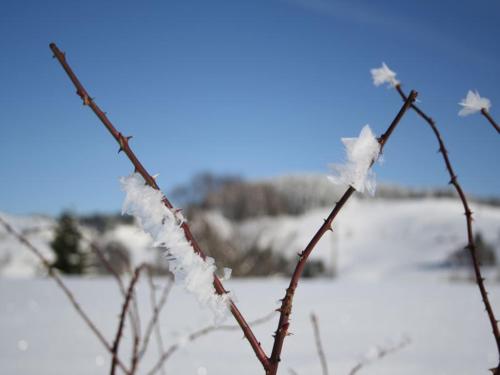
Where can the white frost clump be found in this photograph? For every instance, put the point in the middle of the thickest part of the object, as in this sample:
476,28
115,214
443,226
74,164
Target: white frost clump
362,152
384,75
164,226
473,103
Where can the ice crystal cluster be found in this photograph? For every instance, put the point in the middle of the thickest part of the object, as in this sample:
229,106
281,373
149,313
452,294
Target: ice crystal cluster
164,226
361,152
473,103
384,75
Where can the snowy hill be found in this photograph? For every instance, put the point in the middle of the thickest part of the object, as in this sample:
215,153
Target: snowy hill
372,239
385,252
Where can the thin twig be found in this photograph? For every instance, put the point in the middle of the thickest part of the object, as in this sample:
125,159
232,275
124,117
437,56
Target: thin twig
133,313
486,114
319,346
202,332
286,305
468,218
123,142
154,323
52,273
381,353
119,331
137,323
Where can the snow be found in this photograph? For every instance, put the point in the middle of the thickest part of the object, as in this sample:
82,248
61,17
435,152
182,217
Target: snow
378,239
388,287
362,152
15,263
384,75
445,322
473,103
164,227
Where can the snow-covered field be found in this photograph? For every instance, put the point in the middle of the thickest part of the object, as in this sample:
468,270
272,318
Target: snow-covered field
389,287
41,333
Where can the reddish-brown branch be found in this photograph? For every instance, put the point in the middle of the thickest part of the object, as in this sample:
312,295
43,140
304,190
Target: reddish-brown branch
52,273
286,305
468,218
139,168
319,346
121,324
486,114
133,313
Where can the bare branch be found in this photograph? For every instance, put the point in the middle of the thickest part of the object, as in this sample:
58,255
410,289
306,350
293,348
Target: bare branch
119,331
123,143
286,305
468,219
319,346
157,308
202,332
133,313
53,273
486,114
381,353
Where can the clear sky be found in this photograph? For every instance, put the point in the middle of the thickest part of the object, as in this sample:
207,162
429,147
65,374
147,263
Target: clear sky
257,88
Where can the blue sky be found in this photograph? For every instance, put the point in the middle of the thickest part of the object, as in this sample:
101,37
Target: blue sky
257,88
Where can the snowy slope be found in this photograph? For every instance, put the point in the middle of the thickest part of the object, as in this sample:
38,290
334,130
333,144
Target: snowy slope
378,238
372,238
17,261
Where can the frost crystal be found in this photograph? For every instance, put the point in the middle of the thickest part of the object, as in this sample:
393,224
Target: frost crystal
361,153
473,103
164,226
384,75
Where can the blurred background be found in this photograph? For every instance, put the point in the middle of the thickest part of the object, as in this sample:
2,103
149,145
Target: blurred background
240,106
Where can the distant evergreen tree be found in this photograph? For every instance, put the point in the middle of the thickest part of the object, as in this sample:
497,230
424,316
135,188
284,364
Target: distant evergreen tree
66,245
485,254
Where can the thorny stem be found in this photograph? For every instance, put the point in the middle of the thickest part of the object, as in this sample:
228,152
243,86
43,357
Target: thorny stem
286,306
139,168
486,114
468,218
319,346
52,273
119,331
134,312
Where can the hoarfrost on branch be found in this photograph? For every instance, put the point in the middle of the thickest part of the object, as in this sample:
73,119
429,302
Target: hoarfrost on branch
384,75
361,152
473,103
164,226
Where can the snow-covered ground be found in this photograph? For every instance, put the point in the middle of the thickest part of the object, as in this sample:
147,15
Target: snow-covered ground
41,333
389,287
